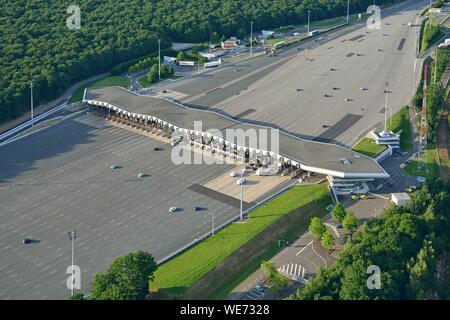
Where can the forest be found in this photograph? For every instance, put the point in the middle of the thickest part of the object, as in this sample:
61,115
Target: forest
36,44
409,244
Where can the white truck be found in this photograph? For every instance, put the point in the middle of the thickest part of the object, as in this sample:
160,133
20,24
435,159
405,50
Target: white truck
213,64
186,63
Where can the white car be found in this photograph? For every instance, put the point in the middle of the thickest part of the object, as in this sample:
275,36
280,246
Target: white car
142,175
173,209
241,181
233,174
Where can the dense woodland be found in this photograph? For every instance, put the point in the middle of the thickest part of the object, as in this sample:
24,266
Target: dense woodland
35,43
410,244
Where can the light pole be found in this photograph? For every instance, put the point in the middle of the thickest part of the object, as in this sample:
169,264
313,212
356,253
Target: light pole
212,224
72,235
251,38
309,19
386,107
348,10
32,105
159,59
242,193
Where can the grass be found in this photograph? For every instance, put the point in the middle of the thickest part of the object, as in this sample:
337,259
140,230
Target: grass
368,147
400,121
253,265
429,35
328,23
143,81
185,269
100,83
417,168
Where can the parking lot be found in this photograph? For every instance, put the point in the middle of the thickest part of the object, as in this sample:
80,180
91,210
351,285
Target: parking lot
60,179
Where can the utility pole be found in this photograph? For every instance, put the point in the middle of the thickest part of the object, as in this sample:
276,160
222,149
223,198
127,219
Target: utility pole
242,193
32,105
309,19
72,235
386,107
251,38
159,59
348,10
212,224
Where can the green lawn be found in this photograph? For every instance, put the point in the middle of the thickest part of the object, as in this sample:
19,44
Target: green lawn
100,83
185,269
328,23
143,81
400,121
368,147
417,168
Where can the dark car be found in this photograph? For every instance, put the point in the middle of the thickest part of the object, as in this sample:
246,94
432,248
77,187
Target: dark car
196,209
158,149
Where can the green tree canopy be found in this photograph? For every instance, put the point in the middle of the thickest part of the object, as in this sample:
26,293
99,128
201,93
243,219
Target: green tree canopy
317,227
350,221
127,278
338,212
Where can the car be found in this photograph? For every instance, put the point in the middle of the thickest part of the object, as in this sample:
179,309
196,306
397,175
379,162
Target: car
241,181
326,95
333,69
364,196
325,126
173,209
142,175
363,89
299,90
347,99
115,167
260,288
197,209
26,241
164,91
355,197
339,226
158,149
233,174
335,88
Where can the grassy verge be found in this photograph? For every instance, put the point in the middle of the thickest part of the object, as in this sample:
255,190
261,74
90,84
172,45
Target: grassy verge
417,168
400,121
179,273
143,81
100,83
430,35
368,147
252,266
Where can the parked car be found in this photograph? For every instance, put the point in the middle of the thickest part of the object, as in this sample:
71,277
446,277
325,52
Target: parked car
241,181
260,288
158,149
115,167
173,209
234,174
26,241
142,175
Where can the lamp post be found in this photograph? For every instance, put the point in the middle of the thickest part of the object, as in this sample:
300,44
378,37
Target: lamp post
212,224
72,235
32,105
251,38
159,59
309,19
348,10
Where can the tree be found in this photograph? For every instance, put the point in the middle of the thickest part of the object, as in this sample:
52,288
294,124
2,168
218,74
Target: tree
181,56
339,212
317,228
327,240
77,296
278,281
127,278
350,222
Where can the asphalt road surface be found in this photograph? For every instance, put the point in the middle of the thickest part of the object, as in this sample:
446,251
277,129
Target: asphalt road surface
354,58
60,179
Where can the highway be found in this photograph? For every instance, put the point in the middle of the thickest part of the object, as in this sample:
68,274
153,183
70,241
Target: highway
294,90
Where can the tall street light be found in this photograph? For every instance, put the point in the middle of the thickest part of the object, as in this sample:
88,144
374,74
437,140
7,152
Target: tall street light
72,235
348,10
159,59
32,105
251,37
309,19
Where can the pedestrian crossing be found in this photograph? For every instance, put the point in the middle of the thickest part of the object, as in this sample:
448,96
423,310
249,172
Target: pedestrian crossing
293,271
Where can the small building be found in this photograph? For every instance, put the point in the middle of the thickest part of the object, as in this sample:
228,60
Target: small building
400,198
387,138
230,44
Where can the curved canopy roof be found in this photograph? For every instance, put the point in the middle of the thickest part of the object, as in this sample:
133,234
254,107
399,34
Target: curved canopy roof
325,158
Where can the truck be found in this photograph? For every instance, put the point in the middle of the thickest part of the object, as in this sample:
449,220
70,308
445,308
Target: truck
213,64
314,33
186,63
